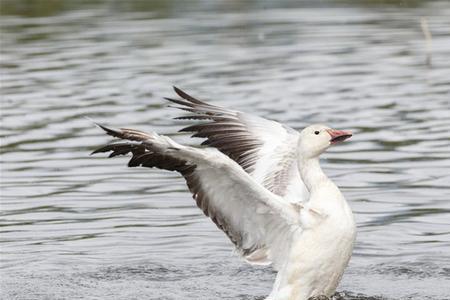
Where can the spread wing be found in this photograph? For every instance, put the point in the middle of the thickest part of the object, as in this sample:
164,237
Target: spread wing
255,219
265,149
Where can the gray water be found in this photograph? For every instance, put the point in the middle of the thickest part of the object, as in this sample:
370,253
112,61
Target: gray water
75,226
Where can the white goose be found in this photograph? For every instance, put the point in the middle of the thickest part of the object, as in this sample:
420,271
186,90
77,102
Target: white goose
263,187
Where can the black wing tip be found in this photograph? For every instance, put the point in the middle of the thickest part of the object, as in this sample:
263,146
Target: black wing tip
176,89
109,130
99,150
179,102
180,92
186,96
102,149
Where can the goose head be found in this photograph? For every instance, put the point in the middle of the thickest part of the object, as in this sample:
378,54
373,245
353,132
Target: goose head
315,139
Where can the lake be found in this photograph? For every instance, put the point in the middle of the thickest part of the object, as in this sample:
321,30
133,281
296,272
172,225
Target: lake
78,226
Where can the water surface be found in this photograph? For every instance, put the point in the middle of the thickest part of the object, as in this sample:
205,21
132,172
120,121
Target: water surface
75,226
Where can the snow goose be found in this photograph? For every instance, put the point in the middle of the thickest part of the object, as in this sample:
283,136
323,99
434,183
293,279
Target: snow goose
261,183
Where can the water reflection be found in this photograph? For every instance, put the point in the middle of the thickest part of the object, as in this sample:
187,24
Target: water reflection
73,224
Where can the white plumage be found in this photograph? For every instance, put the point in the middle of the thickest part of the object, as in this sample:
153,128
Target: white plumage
261,183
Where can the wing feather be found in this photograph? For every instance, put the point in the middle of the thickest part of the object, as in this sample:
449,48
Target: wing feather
255,220
263,148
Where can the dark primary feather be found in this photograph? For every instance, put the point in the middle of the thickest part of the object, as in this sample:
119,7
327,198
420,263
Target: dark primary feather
125,133
224,131
121,148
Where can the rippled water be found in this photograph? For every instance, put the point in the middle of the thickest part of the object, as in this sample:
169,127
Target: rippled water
75,226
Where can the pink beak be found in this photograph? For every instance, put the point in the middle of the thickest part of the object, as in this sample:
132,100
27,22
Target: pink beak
338,136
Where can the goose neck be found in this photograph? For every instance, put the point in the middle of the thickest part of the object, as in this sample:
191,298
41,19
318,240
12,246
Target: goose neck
311,173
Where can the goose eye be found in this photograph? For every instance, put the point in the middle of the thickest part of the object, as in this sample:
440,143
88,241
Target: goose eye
316,132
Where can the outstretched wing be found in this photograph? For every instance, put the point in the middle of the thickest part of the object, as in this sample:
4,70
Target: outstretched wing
255,220
265,149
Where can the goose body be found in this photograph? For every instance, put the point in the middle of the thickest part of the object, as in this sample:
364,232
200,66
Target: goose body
321,250
261,183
